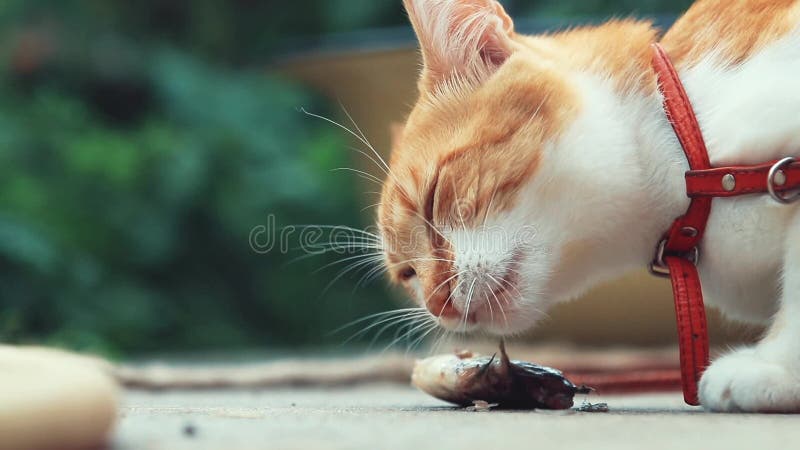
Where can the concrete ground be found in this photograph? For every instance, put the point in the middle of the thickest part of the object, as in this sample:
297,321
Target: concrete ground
391,416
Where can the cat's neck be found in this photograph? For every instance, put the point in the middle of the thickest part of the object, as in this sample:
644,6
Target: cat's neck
661,162
630,172
629,151
623,130
626,131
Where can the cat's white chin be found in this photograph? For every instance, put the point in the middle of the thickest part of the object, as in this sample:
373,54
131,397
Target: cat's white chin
507,322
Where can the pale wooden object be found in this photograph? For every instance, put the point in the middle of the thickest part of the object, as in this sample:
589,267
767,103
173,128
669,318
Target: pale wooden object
51,399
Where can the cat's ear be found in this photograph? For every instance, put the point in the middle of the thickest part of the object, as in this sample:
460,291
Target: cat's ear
469,39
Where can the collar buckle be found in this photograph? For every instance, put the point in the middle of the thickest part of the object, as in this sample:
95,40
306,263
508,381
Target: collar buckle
777,178
659,267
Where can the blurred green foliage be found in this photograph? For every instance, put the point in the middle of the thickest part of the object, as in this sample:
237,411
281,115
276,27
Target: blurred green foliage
140,142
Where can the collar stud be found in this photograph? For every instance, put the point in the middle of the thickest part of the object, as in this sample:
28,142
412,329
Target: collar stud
729,182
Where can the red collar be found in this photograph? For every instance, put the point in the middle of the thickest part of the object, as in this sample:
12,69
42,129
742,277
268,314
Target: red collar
678,252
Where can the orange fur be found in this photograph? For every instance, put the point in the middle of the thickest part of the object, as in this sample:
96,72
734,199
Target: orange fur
619,49
734,28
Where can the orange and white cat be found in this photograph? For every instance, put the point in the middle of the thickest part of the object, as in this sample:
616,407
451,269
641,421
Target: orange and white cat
533,167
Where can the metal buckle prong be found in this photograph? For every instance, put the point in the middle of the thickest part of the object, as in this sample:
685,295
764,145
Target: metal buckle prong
659,267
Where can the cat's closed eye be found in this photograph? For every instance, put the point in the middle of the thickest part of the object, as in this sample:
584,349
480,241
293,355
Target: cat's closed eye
407,274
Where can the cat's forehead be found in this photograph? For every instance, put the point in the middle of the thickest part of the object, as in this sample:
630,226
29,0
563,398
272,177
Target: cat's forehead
458,115
471,150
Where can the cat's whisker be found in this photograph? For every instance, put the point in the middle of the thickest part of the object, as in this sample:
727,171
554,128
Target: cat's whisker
411,260
444,335
355,268
488,302
376,272
319,252
355,245
374,205
341,239
336,228
449,298
387,323
364,137
349,131
418,341
402,329
359,264
406,328
432,226
512,286
376,315
391,321
375,259
380,162
433,292
406,334
353,241
379,270
360,173
504,289
369,258
370,158
357,241
348,239
346,249
469,302
375,255
499,304
370,276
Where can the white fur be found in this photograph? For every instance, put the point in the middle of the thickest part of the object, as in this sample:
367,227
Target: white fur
625,186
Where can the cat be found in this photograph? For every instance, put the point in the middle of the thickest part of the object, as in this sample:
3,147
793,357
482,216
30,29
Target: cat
532,168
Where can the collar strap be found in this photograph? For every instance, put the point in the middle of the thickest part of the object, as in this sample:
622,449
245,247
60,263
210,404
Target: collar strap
781,177
678,252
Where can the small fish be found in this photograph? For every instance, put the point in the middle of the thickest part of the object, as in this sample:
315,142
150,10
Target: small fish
463,379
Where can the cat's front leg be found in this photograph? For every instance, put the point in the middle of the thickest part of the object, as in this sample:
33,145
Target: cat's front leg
764,377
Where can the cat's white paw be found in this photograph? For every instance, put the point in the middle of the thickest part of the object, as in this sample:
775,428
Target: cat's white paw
743,382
